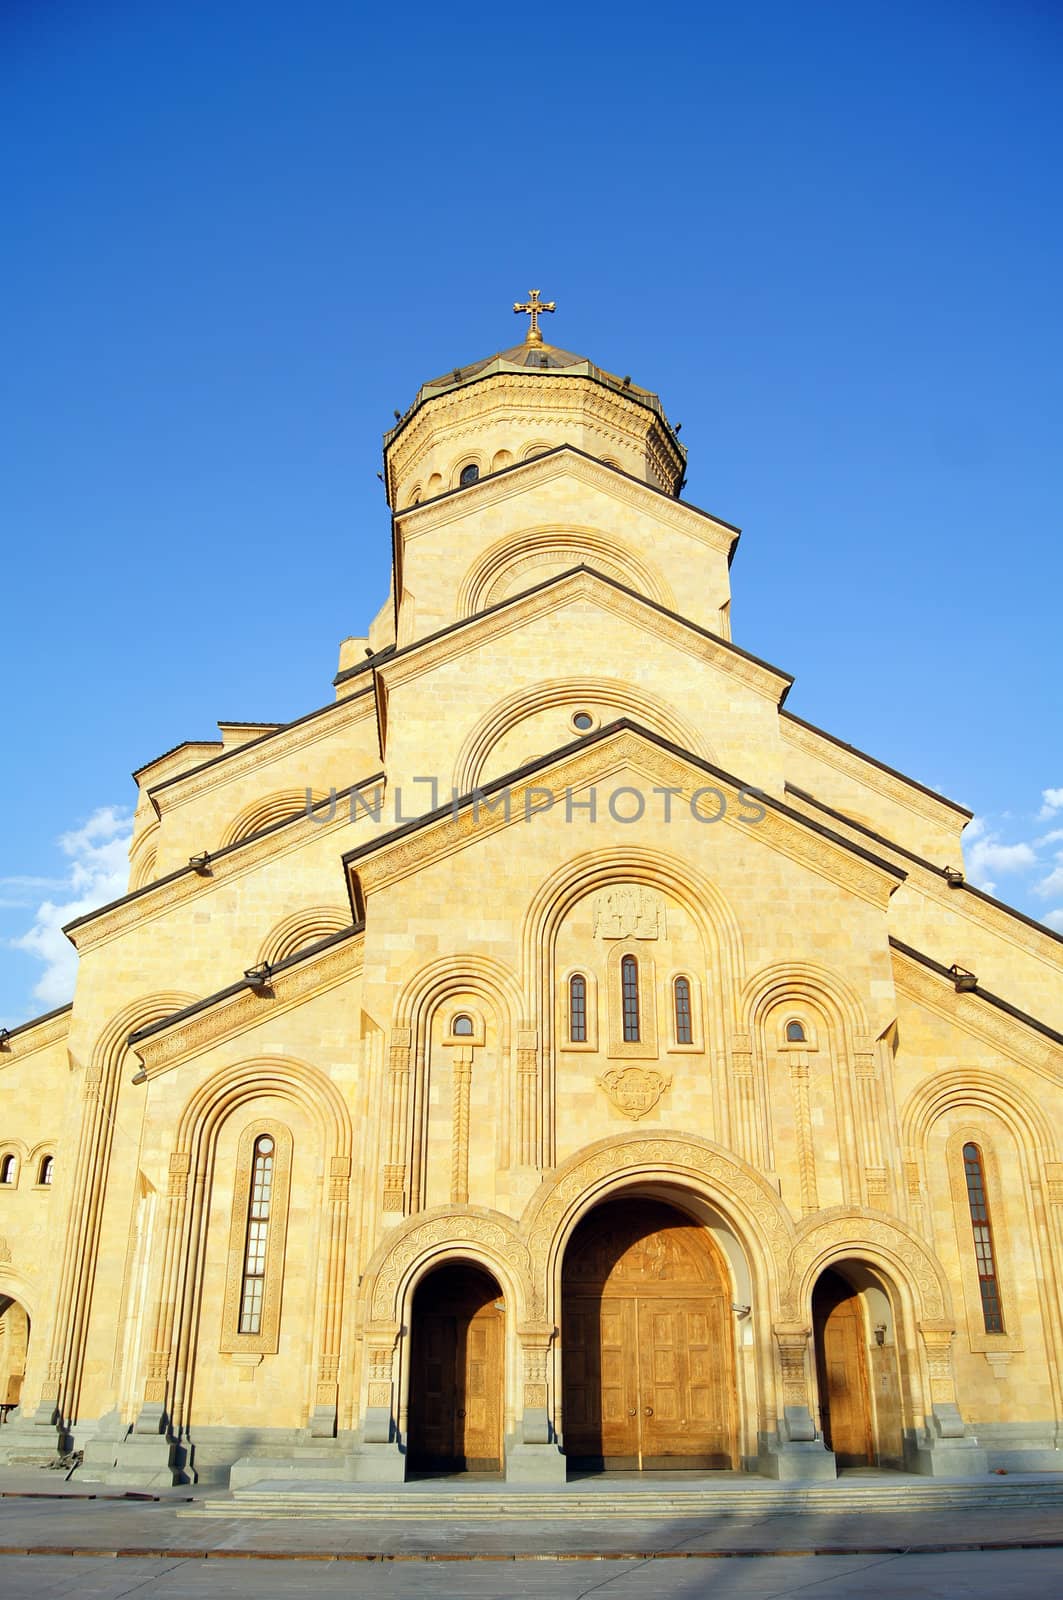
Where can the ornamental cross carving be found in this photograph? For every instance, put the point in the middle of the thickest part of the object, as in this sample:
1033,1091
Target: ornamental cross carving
531,308
627,912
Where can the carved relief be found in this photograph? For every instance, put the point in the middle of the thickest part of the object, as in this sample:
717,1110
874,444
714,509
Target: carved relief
628,911
450,1231
635,1091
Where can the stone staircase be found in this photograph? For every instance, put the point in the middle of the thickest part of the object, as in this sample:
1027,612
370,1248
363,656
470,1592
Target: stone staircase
734,1497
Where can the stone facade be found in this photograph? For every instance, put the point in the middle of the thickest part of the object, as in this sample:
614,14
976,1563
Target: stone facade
351,944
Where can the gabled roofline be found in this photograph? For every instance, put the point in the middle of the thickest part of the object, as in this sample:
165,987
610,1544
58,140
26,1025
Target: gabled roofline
572,449
559,577
600,735
275,729
304,954
930,866
35,1022
862,755
983,994
219,854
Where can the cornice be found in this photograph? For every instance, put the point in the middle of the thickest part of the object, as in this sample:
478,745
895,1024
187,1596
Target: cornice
37,1034
144,905
234,763
622,745
584,583
1028,1041
300,979
567,461
980,909
855,764
557,395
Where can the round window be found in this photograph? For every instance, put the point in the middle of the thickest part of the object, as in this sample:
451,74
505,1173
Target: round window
265,1146
583,721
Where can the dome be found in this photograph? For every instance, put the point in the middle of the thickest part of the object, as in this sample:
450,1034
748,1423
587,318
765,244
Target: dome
531,357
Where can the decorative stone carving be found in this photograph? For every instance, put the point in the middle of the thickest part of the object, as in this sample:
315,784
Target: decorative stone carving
628,911
635,1091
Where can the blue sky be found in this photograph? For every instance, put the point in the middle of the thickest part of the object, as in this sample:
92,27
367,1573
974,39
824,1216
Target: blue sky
238,236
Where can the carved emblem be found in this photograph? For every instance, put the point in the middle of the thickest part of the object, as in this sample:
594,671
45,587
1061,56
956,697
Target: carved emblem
635,1090
628,912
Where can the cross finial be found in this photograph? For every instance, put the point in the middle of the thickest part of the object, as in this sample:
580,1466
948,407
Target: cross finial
532,307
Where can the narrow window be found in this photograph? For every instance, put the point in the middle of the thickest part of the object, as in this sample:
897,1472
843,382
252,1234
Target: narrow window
629,983
684,1031
469,474
461,1027
795,1033
254,1280
8,1169
47,1167
983,1239
577,1010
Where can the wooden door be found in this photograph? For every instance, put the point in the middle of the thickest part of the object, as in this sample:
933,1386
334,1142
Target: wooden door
647,1348
684,1410
601,1381
455,1401
841,1371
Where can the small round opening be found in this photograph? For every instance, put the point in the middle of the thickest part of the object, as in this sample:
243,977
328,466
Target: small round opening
583,721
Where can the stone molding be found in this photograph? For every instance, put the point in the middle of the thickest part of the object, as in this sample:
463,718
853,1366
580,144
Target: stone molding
567,462
854,765
249,1008
976,1016
35,1036
626,747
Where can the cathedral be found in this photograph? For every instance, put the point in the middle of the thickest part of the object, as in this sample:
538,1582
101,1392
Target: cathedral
551,1053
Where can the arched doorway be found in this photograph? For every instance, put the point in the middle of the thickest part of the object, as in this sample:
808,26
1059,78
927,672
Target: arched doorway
456,1360
857,1372
647,1340
14,1342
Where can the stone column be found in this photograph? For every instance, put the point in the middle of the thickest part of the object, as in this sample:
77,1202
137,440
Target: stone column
794,1449
533,1454
461,1070
945,1448
379,1459
398,1100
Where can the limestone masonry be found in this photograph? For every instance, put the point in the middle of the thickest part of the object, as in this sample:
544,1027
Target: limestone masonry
551,1050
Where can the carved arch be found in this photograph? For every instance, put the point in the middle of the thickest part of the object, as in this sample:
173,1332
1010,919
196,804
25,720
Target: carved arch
267,811
473,1233
302,928
529,551
629,699
978,1087
142,857
847,1233
788,980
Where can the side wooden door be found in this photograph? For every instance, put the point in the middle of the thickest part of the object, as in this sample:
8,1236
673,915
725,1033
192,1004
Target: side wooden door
841,1371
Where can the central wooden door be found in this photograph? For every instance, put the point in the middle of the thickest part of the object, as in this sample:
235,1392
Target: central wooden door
455,1402
648,1351
841,1371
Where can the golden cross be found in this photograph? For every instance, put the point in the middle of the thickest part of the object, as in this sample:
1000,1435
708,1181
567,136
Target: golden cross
532,308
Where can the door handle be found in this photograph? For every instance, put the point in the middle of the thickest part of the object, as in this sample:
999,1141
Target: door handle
633,1412
461,1413
649,1411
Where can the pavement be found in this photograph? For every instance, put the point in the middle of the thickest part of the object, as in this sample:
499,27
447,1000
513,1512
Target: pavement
59,1538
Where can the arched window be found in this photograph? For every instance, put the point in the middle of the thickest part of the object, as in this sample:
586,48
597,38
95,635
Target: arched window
629,988
795,1033
8,1169
577,1009
684,1023
47,1167
469,474
978,1204
461,1027
252,1288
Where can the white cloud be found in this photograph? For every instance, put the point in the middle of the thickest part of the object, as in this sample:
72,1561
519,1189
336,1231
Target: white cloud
98,871
987,856
1052,885
1052,802
1054,920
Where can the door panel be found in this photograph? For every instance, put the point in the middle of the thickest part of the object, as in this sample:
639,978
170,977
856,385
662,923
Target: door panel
647,1342
455,1401
841,1369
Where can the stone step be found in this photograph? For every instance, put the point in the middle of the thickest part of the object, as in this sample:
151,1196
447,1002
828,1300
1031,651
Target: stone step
414,1503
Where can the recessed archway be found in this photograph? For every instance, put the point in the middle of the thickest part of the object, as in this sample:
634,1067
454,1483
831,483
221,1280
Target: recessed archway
857,1370
14,1343
648,1358
456,1371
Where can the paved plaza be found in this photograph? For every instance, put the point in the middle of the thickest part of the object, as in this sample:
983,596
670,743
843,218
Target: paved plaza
59,1539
